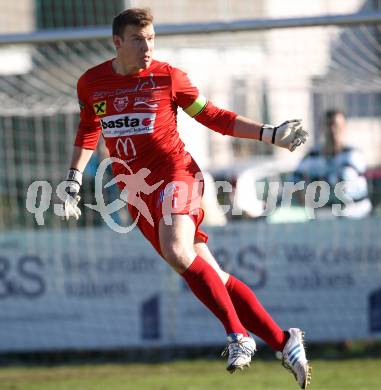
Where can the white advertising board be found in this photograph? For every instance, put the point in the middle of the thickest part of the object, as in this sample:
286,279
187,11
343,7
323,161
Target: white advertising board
94,289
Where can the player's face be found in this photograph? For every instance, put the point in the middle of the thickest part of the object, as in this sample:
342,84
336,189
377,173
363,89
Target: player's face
135,48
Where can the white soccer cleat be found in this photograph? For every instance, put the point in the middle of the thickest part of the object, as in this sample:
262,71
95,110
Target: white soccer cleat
240,350
294,358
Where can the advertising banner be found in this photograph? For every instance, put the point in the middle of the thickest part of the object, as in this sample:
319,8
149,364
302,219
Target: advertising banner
95,289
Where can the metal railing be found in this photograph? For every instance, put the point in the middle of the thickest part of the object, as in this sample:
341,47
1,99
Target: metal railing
75,34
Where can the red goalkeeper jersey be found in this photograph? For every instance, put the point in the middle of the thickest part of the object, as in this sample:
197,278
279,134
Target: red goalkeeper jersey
136,115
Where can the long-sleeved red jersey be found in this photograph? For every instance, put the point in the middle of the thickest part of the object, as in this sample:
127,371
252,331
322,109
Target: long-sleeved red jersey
137,116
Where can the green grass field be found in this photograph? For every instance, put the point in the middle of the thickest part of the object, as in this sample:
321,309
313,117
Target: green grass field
356,374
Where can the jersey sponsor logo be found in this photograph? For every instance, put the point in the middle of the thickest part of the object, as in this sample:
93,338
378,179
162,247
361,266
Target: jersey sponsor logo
128,124
126,149
144,84
113,92
147,84
100,107
145,103
120,103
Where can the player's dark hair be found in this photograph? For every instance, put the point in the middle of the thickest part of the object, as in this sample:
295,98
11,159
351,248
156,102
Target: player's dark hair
140,17
331,113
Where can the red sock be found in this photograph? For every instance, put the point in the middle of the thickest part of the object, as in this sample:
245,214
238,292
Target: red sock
253,315
205,283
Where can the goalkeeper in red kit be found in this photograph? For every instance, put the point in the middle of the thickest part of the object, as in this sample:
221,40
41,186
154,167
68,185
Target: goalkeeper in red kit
132,100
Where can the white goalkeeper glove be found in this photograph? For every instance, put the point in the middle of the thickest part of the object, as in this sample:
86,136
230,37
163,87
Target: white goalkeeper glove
73,185
289,134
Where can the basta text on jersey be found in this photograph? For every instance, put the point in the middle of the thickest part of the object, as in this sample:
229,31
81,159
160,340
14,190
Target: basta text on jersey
136,106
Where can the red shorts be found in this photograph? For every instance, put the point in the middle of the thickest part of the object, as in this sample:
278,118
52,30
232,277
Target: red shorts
180,196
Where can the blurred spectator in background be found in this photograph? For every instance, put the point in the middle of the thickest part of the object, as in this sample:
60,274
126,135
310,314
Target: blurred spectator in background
110,193
335,161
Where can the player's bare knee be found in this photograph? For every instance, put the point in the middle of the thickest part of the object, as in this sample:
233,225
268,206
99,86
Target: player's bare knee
177,256
224,276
